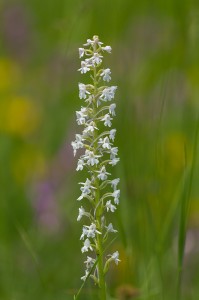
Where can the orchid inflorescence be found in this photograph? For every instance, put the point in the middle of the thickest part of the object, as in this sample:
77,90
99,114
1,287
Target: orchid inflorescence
99,193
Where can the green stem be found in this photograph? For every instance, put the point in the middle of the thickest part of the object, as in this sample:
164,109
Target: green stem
99,243
184,214
102,284
99,210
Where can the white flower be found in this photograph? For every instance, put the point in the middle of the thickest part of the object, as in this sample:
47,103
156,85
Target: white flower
96,59
79,140
77,144
86,188
84,231
87,246
113,152
74,145
114,183
102,173
107,49
84,110
110,228
107,120
90,128
82,91
89,42
91,158
89,231
114,161
81,52
110,206
81,213
80,165
89,262
85,67
106,143
112,109
115,257
81,117
112,134
85,276
106,74
116,195
108,93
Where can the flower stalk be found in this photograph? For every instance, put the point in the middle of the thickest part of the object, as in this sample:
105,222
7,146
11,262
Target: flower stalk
97,140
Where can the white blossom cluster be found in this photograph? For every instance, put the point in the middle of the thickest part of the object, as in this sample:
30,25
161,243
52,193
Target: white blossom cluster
99,193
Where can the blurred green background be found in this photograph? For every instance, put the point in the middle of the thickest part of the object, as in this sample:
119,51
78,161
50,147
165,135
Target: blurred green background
155,64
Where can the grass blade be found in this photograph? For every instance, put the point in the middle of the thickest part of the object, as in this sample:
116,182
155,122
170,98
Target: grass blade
184,214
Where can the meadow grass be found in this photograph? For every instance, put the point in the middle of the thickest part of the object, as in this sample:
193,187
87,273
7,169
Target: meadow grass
155,63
